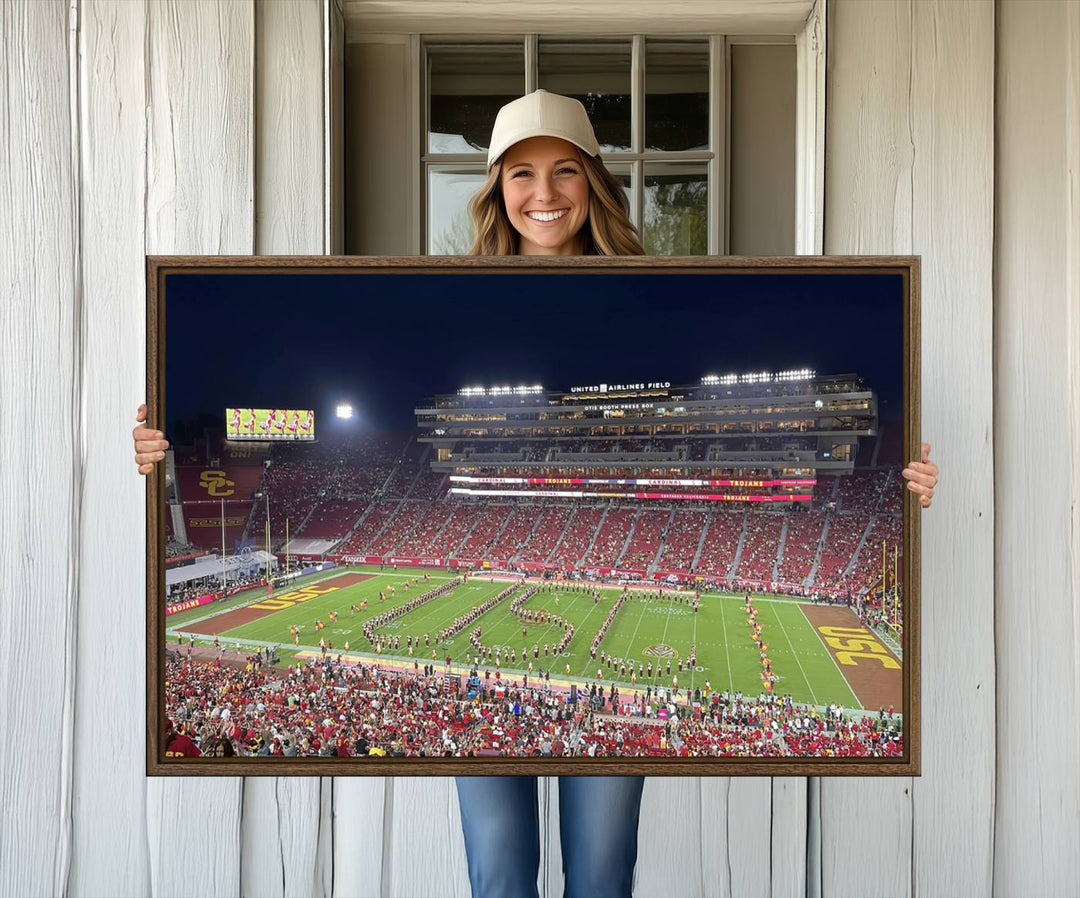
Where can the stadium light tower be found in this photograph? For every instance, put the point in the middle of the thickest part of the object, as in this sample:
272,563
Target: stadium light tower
345,411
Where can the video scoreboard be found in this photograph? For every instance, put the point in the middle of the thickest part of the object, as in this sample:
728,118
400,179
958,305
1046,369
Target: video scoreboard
269,424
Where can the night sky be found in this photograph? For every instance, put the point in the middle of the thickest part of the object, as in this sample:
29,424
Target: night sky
382,342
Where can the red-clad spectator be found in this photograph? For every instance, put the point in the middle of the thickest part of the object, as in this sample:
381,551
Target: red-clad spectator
177,745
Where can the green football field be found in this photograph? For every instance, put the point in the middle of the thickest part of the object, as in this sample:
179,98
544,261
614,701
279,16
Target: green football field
644,630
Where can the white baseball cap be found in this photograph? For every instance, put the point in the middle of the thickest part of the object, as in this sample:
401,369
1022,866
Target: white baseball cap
541,114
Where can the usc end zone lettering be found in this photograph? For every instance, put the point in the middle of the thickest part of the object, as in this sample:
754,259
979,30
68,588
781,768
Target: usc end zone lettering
850,643
295,598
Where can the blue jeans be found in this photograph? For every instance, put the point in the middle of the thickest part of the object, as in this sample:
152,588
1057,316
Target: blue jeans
598,822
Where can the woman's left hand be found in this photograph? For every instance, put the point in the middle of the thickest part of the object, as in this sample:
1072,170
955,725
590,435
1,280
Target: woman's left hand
922,477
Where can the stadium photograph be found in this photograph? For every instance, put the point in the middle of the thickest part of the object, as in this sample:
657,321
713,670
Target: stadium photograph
546,515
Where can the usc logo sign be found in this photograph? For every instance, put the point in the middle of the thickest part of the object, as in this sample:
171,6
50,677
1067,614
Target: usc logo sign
849,643
216,484
279,603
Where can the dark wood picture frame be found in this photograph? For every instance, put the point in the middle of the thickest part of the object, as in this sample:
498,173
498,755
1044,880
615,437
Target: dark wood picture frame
161,268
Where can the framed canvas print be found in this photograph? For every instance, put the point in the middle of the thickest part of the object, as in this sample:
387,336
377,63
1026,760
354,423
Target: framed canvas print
533,516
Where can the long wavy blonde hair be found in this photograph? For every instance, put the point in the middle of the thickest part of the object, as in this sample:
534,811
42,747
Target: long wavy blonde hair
607,231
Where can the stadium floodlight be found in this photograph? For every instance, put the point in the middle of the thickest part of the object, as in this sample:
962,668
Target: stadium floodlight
344,411
796,374
758,378
710,380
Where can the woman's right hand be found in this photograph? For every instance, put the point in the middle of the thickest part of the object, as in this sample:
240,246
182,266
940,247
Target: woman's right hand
150,445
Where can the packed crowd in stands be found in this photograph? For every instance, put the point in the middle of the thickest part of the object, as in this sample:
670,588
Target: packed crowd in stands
886,529
397,528
488,521
846,529
608,543
760,546
579,533
861,490
334,518
325,708
892,494
429,486
378,495
368,528
553,520
453,534
433,519
291,488
407,470
800,545
681,540
721,543
825,493
363,464
649,535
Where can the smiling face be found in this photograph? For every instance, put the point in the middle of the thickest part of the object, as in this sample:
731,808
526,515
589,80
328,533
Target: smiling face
546,195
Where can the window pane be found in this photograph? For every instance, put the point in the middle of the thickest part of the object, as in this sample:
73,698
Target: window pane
623,174
762,197
597,74
676,95
467,84
676,209
449,191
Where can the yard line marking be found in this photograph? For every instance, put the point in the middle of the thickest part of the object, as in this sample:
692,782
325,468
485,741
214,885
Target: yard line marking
806,679
641,617
693,672
727,653
663,639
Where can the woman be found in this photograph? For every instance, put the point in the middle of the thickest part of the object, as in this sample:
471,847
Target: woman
548,193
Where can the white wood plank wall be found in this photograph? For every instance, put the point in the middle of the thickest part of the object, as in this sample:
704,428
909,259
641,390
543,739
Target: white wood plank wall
909,169
1037,450
41,452
199,196
109,819
176,126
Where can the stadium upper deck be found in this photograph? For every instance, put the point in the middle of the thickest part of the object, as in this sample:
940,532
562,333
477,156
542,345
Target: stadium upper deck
788,422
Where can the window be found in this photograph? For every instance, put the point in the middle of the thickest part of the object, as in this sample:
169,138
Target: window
660,108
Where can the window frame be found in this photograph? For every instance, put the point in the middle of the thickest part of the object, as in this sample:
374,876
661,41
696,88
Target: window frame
810,120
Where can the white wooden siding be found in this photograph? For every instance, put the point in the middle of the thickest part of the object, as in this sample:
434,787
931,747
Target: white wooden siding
134,127
109,819
1037,450
909,151
200,199
41,456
